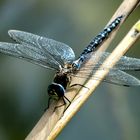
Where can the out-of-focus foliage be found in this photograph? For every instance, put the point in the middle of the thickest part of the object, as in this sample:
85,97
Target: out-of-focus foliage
112,113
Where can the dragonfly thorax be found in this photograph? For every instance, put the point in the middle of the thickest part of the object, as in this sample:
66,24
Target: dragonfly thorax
62,79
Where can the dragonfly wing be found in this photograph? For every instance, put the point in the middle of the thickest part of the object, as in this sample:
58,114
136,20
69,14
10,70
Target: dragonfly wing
60,51
29,53
125,63
114,76
119,77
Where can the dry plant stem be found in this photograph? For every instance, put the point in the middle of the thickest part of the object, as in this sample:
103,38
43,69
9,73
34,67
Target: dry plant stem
44,129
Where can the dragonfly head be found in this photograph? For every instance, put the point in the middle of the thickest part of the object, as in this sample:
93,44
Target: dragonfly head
56,91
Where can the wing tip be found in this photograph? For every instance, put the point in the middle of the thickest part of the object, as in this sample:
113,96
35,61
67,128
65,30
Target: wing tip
137,69
136,83
126,85
11,32
132,85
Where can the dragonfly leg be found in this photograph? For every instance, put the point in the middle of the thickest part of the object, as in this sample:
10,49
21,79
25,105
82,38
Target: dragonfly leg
68,104
49,100
79,85
64,103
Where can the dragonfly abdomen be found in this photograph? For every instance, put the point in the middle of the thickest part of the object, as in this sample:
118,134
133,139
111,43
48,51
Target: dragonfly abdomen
102,36
97,41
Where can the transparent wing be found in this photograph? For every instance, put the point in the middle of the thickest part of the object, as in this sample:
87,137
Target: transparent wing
121,78
61,52
116,75
125,63
29,53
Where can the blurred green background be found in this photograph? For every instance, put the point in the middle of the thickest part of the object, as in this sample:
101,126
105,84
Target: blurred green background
112,113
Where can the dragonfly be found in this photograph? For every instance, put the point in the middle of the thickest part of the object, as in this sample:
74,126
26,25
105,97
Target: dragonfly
58,56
